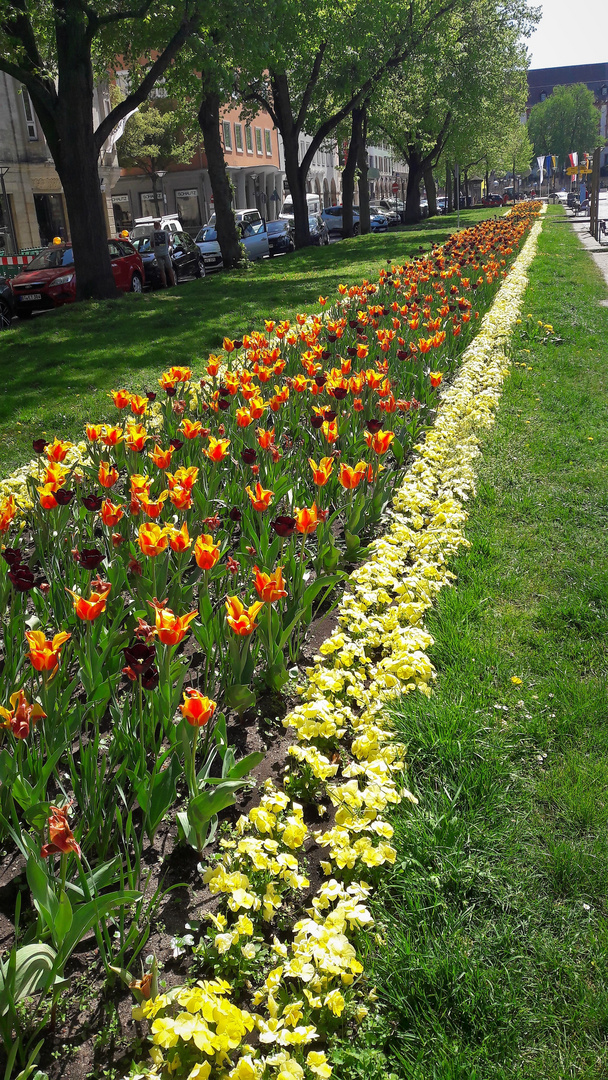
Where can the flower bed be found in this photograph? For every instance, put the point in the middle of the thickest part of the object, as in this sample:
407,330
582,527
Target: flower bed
98,666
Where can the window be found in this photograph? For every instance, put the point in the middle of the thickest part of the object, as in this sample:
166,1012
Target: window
258,141
238,138
151,207
187,206
248,139
543,96
30,118
268,142
51,217
122,212
227,135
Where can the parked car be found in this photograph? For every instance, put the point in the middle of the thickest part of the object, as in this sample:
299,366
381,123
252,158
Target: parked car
562,196
384,208
49,281
185,257
378,222
7,304
424,208
318,231
255,238
313,203
143,225
332,216
280,237
442,205
207,243
492,199
572,199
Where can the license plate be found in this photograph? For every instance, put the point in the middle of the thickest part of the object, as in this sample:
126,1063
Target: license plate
32,296
209,259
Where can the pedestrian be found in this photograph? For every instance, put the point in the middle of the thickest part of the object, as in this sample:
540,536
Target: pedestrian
161,245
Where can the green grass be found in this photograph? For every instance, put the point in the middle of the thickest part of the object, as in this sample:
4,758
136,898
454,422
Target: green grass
56,371
494,962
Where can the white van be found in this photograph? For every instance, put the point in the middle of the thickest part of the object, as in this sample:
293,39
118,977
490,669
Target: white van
167,221
312,201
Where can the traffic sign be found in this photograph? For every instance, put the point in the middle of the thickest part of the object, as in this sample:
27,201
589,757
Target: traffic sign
395,187
574,170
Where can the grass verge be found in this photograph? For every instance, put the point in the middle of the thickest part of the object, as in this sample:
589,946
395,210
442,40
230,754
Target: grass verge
493,921
56,371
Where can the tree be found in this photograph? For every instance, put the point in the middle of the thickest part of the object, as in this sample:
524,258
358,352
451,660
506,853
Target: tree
326,61
55,48
468,81
566,122
156,136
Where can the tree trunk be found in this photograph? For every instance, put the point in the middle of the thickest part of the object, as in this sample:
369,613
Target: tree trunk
412,198
456,192
363,181
76,159
449,193
227,232
431,191
348,175
296,177
466,188
487,180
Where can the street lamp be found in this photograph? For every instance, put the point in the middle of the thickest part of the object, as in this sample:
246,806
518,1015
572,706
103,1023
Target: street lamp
160,174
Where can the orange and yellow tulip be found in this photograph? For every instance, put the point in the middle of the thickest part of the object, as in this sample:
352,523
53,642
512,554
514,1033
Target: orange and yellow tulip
160,457
91,609
111,435
57,450
307,519
242,619
183,477
8,510
136,436
180,374
152,539
269,587
61,837
379,442
171,628
435,377
121,398
181,497
179,539
261,498
321,472
206,552
107,474
111,513
351,476
44,655
152,508
217,449
21,715
190,428
138,404
197,709
93,432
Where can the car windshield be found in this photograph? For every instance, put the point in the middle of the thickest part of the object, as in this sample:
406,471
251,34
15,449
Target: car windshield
143,244
313,223
206,235
277,227
334,211
51,258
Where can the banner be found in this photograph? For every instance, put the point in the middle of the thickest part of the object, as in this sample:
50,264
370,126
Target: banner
573,160
541,164
548,164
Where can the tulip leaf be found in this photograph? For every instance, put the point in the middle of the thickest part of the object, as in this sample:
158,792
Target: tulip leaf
245,765
63,918
33,970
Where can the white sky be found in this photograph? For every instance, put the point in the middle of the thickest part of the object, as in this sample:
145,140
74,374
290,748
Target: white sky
570,33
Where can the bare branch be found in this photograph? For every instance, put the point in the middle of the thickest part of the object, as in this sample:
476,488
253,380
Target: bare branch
310,86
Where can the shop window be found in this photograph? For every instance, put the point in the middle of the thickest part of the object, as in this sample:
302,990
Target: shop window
123,218
51,217
188,208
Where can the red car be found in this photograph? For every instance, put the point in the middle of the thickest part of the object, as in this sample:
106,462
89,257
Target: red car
50,279
493,199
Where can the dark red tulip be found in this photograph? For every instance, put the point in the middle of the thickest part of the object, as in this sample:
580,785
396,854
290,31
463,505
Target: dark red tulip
150,679
331,338
320,379
223,404
39,445
92,502
237,344
329,415
63,496
284,526
325,355
351,350
151,395
176,443
12,556
352,323
248,456
170,391
374,426
90,558
235,514
139,656
316,422
22,578
339,393
401,354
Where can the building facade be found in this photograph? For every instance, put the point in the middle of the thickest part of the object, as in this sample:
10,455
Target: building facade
254,167
32,205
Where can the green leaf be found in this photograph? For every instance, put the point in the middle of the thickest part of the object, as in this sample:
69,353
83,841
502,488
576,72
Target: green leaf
245,765
63,918
33,972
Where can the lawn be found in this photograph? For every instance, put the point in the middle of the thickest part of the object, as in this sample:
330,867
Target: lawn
492,963
57,370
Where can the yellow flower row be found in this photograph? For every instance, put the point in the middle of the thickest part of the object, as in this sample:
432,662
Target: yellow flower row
378,651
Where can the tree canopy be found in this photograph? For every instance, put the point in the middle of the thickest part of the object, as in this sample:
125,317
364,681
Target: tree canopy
566,122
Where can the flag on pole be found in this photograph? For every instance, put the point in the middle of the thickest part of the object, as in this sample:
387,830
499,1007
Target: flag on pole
554,161
548,164
541,164
573,160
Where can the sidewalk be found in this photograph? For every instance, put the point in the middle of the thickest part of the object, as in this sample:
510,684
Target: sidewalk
598,252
